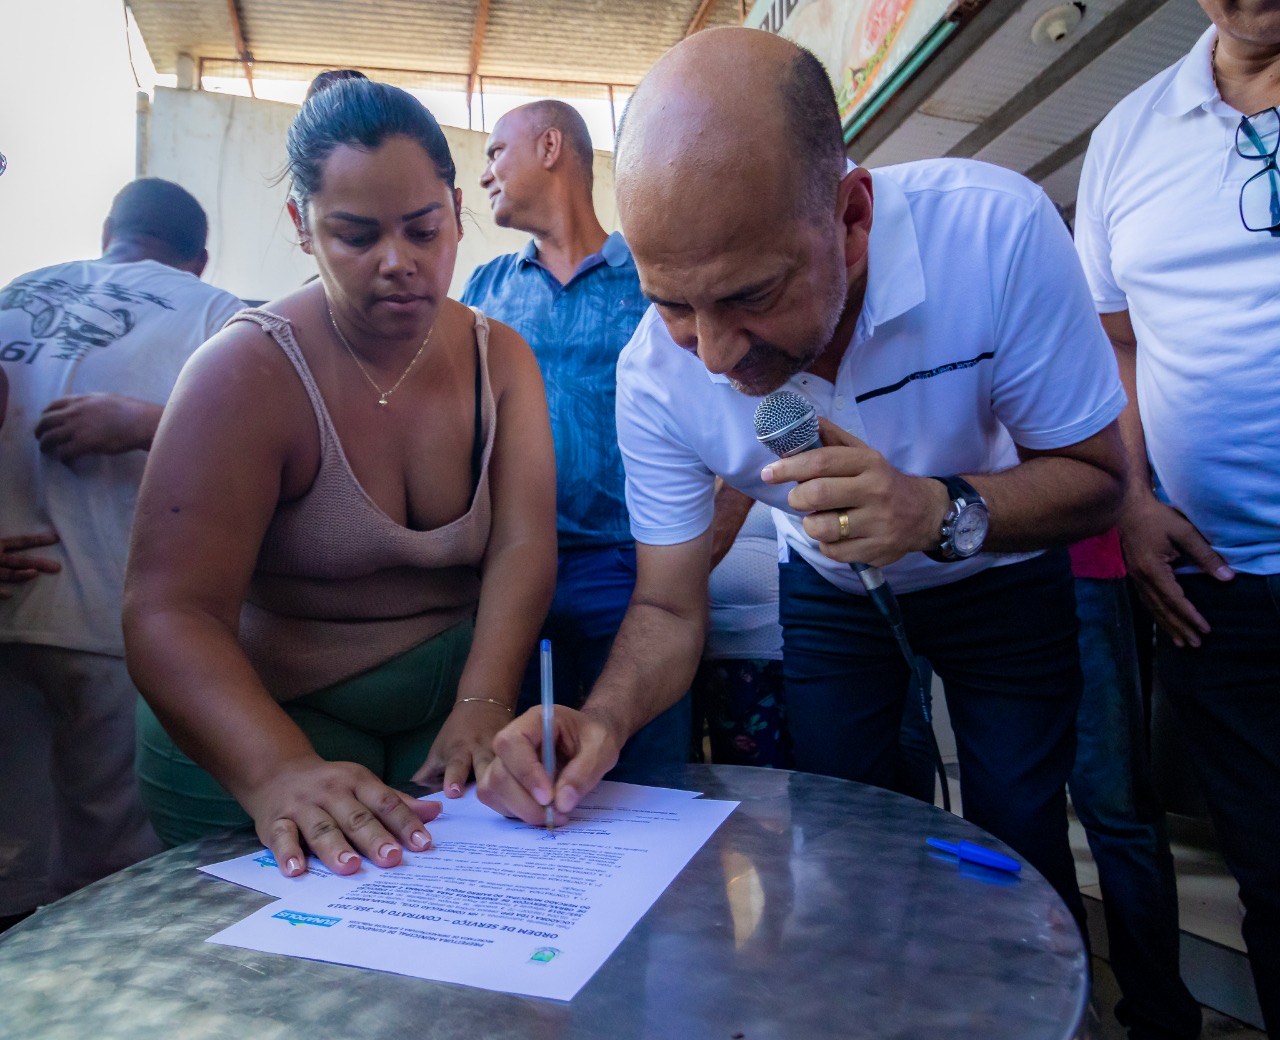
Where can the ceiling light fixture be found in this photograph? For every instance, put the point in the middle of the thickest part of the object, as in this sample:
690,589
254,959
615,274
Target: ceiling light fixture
1056,24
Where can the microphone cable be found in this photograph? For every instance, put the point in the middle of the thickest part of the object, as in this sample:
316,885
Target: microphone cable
787,425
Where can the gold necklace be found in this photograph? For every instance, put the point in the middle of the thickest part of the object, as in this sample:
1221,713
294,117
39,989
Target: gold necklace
382,394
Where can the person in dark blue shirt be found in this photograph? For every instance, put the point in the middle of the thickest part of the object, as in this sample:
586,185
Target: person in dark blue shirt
573,293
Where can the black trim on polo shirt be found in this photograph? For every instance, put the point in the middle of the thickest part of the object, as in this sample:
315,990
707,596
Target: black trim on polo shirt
951,366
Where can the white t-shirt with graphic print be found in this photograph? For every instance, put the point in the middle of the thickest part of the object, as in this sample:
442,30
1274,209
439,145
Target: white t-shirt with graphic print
78,328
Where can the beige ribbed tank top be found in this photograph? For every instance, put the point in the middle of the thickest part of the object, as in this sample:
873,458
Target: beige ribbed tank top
339,586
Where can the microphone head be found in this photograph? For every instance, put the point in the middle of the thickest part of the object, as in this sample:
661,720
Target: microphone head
786,424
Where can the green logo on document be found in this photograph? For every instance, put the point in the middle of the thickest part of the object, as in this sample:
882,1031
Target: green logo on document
544,954
296,917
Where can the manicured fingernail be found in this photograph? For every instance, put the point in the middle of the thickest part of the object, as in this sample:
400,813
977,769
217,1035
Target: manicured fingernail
388,850
454,791
542,796
766,473
348,857
1224,573
568,799
293,866
419,840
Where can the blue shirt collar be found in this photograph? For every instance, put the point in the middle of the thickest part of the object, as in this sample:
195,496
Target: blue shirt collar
615,252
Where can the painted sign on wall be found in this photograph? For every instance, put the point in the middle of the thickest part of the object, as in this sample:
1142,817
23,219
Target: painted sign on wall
862,43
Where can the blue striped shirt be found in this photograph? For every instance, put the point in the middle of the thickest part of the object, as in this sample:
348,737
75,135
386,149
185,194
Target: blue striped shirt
576,331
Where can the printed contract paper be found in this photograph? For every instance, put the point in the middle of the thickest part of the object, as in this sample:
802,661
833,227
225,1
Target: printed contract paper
495,903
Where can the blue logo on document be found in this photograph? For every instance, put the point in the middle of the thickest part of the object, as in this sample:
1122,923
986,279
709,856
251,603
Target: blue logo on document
265,860
298,917
544,955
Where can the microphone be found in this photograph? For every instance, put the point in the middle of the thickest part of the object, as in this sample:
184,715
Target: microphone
787,425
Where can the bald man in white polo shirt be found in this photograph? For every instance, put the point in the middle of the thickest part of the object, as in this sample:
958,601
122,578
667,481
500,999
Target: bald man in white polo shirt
951,336
1178,226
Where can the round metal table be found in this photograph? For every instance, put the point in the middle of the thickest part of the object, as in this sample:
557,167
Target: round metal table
816,911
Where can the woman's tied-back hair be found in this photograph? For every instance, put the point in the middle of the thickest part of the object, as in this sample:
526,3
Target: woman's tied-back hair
362,114
329,77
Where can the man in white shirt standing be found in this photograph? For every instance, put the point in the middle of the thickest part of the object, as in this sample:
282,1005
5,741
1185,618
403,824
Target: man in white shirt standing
953,350
91,350
1178,228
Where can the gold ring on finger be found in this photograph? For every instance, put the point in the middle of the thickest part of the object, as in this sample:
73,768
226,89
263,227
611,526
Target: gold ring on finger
842,518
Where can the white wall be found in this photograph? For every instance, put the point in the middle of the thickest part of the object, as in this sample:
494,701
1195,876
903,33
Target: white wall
227,150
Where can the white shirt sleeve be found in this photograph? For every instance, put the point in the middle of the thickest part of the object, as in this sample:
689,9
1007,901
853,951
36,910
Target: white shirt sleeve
1056,380
1093,243
227,307
670,490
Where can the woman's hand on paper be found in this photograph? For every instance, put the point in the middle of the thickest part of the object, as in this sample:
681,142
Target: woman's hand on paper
463,746
338,810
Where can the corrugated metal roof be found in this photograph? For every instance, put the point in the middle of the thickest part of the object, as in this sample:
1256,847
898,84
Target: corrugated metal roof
1004,99
598,41
1078,106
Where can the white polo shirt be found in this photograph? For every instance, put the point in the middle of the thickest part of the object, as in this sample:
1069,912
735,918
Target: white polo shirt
1159,233
977,333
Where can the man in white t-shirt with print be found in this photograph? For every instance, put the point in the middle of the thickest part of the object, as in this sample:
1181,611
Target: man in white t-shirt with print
951,337
1178,228
91,350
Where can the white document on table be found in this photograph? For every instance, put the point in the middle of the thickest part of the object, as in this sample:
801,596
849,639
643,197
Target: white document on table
496,903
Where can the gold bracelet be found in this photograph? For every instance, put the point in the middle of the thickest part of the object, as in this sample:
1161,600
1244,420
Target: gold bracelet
488,700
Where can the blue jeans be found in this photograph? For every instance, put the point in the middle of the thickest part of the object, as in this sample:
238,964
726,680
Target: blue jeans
1004,642
1226,693
1114,799
593,588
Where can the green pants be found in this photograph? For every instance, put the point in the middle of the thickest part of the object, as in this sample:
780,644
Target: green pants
385,719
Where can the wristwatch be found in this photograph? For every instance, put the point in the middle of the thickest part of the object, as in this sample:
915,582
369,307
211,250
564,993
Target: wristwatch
964,528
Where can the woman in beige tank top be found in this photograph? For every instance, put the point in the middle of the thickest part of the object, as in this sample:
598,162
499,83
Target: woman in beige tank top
344,484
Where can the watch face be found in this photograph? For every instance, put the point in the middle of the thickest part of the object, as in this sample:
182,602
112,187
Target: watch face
970,530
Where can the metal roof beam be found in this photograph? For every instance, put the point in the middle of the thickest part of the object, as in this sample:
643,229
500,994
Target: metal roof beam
1060,156
477,49
242,48
929,80
1108,32
700,16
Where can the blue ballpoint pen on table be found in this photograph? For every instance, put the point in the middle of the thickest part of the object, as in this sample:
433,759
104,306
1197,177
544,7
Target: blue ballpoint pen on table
974,853
548,730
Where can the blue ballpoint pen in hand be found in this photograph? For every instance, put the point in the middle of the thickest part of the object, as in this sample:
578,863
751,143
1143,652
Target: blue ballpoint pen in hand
548,729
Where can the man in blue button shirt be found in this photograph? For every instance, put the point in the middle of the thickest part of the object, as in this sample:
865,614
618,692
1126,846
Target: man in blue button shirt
574,295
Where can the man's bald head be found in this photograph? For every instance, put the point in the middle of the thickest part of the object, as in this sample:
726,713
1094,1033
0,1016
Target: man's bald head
735,101
538,117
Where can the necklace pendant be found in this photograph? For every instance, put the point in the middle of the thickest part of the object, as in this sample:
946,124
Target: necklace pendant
383,400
